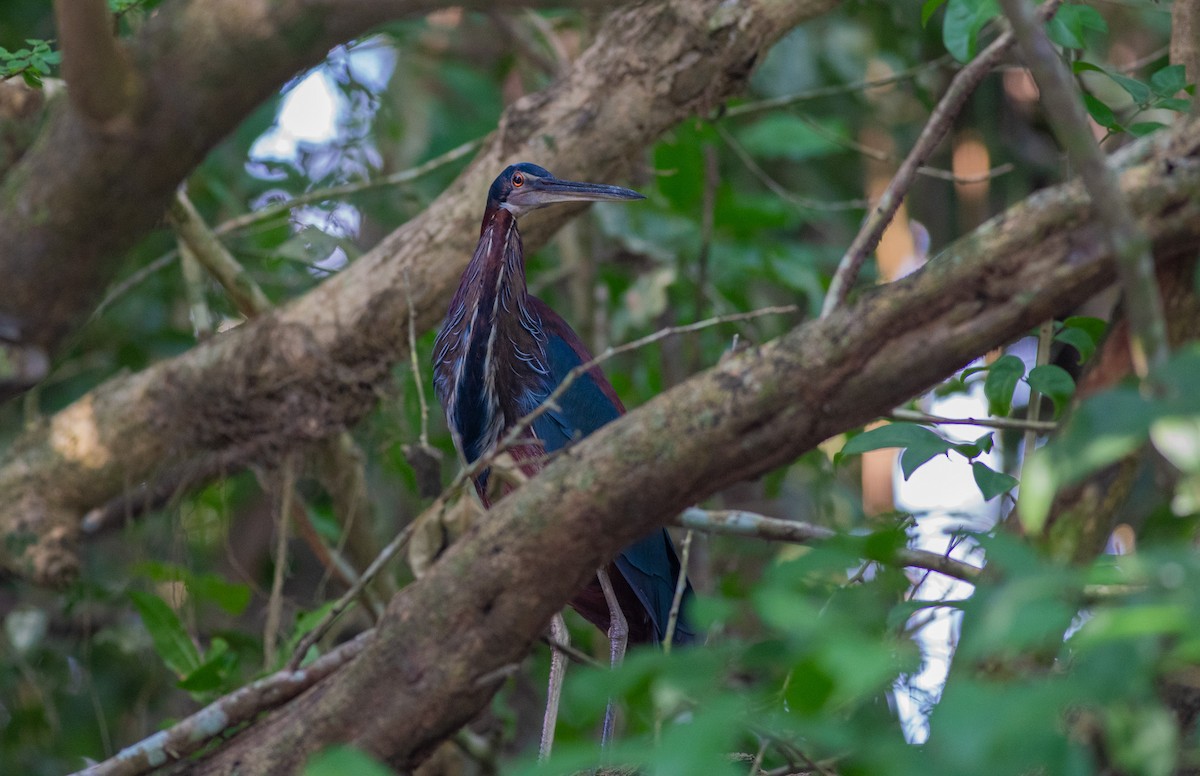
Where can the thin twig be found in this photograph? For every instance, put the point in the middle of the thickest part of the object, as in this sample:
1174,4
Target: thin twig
579,657
243,704
804,203
275,602
364,579
940,121
680,586
1129,245
1017,424
333,192
740,523
416,364
832,91
193,289
883,156
283,208
245,293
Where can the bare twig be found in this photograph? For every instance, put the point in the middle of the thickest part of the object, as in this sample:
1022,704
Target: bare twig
804,203
1018,424
680,586
287,488
192,733
246,294
103,84
739,523
364,579
1130,246
961,87
883,156
832,91
193,287
575,654
333,192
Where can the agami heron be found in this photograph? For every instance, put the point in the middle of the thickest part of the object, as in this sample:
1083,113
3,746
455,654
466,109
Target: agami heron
500,353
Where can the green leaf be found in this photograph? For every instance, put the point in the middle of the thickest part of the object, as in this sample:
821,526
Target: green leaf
211,675
972,450
171,641
928,9
1143,128
1069,25
1079,340
1055,382
991,482
964,19
919,443
1094,327
1133,87
1177,104
345,761
785,136
1002,380
1169,80
1101,113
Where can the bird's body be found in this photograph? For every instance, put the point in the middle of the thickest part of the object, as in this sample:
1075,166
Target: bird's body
502,351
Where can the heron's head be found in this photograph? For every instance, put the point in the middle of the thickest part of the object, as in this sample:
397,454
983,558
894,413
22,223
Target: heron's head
523,187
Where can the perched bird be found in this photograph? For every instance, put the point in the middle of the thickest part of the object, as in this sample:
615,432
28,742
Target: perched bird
502,351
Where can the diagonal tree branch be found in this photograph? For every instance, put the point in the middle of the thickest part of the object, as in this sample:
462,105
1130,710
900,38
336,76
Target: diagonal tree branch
101,81
445,639
90,187
305,371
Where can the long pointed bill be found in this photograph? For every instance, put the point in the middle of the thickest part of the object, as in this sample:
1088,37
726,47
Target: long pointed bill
547,192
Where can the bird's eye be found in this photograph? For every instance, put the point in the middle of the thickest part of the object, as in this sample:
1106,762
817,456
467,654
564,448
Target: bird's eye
518,179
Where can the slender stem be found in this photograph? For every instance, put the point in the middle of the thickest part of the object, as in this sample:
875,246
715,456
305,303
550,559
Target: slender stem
680,587
364,579
1018,424
246,294
833,91
1129,245
333,192
287,489
940,121
740,523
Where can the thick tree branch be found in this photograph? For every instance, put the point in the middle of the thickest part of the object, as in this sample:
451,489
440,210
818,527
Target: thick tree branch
101,81
188,735
89,189
305,371
479,608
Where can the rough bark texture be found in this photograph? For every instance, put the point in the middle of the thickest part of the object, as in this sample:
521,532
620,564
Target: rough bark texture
307,370
446,639
92,185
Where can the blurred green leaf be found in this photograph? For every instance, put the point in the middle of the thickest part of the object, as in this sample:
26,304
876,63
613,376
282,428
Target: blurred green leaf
345,761
785,136
1002,379
928,9
1168,80
964,20
1071,22
1101,113
1054,382
171,641
991,483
